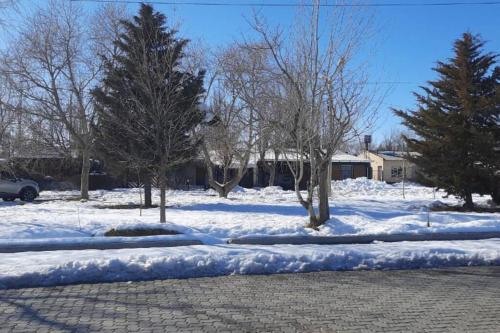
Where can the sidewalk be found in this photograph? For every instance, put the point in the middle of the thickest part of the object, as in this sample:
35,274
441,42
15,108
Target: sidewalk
429,300
109,243
363,239
95,243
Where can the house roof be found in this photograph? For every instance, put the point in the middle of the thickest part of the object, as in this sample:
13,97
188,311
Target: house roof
348,158
394,155
339,157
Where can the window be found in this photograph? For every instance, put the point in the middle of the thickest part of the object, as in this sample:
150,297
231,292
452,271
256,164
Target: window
397,172
345,171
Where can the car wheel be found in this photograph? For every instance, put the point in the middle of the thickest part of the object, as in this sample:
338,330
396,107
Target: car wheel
28,194
8,199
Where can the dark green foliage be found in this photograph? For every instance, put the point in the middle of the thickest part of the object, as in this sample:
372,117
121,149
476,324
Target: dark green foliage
147,105
457,123
139,232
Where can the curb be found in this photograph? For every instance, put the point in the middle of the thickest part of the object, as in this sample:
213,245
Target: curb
89,245
363,239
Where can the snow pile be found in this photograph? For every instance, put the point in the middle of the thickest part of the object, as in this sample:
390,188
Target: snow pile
63,267
359,185
369,187
272,189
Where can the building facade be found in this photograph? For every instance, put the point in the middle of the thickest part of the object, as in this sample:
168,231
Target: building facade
391,166
194,174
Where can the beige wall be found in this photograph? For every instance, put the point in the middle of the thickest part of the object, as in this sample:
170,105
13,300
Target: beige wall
377,163
386,166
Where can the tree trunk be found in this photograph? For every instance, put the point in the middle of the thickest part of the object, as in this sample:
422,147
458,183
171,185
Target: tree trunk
272,174
469,204
495,194
496,197
313,219
255,176
84,176
147,192
323,189
162,177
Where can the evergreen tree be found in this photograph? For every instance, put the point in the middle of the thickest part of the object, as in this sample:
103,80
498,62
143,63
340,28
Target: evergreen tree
457,123
148,105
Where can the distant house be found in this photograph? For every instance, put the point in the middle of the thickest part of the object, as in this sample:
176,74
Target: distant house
194,174
391,166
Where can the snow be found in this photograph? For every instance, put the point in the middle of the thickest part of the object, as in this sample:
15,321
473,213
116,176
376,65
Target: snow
358,207
63,267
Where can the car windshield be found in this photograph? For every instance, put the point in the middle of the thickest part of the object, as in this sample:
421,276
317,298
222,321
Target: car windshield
6,175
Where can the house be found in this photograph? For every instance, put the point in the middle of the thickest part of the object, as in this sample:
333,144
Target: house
194,173
391,166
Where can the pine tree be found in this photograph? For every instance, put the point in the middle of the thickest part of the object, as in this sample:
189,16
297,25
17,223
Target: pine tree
457,123
148,105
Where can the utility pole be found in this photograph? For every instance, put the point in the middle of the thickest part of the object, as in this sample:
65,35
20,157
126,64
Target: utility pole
404,176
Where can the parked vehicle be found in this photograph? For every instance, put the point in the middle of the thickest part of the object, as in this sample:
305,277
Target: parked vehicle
12,188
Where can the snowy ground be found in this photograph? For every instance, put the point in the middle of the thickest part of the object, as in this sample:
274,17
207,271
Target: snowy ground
358,207
62,267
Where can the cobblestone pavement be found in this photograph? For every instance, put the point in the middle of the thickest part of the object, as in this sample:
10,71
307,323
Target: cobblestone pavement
441,300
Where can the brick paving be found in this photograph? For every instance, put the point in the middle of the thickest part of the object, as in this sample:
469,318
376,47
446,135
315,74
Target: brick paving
440,300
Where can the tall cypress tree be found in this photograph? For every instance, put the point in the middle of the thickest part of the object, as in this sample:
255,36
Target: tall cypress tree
148,104
457,123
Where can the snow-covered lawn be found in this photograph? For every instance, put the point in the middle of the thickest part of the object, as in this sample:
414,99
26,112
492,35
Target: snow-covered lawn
358,207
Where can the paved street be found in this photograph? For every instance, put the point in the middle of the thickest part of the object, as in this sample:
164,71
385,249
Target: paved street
444,300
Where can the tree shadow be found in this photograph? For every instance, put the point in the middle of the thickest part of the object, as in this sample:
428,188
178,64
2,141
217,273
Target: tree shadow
35,317
247,208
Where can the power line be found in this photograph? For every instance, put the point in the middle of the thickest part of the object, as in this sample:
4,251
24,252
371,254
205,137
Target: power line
390,82
275,4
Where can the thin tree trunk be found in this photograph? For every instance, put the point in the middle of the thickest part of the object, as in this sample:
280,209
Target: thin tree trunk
272,174
163,187
324,185
84,176
313,219
226,187
469,204
495,193
147,191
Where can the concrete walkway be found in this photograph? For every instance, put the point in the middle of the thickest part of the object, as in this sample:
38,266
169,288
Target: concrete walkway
362,239
109,243
94,243
442,300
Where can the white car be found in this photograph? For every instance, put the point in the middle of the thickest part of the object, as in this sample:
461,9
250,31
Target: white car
12,188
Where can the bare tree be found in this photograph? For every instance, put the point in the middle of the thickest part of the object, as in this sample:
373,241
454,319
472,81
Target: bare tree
324,93
229,137
394,141
106,27
52,65
270,139
248,70
5,6
6,119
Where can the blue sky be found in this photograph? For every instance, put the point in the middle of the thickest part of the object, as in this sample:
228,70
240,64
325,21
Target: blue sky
408,43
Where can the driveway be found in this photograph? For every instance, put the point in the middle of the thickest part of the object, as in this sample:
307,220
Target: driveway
438,300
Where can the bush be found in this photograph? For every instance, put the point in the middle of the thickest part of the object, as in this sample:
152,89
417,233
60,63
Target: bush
139,232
